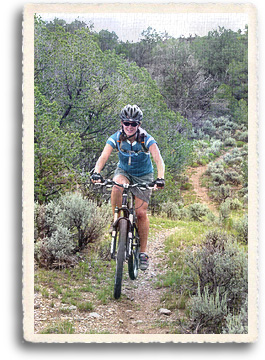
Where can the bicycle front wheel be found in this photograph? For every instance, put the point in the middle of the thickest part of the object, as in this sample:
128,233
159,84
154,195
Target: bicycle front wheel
121,255
133,261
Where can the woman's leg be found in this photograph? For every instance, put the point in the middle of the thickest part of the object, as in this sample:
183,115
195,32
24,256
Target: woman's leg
116,194
143,222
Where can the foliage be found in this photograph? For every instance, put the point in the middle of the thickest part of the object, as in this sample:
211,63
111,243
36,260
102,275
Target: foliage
224,210
208,311
55,153
237,323
241,227
219,263
229,141
90,86
180,77
65,226
171,210
197,211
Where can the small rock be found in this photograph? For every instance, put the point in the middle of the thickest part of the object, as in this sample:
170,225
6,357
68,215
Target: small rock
72,307
121,321
94,315
164,311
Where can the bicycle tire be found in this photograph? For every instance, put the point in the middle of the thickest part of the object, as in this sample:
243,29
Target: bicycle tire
120,257
133,261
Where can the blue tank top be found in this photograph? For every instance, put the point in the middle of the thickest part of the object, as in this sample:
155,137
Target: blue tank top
132,158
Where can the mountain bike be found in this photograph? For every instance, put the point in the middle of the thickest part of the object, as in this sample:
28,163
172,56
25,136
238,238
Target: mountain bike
124,228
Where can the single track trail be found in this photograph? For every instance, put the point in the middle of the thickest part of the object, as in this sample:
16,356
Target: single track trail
139,310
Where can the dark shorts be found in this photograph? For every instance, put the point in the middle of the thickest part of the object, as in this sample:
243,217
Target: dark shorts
141,194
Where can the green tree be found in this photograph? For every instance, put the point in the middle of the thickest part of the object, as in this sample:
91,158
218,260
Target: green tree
181,79
55,154
107,40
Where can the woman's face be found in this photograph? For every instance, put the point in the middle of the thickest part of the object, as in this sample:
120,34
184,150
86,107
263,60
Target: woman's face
128,128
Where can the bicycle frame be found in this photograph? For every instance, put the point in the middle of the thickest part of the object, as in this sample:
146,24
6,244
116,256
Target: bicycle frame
127,209
128,212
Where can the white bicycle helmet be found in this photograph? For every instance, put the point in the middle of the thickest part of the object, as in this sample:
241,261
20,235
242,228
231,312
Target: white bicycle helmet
131,112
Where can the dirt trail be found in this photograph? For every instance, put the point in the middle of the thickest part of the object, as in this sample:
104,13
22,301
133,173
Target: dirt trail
201,192
136,312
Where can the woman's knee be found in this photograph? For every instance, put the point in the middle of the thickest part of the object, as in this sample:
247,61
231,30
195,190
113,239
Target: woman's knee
141,214
121,179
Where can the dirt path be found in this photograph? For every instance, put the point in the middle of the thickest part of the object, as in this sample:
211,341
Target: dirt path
201,192
136,312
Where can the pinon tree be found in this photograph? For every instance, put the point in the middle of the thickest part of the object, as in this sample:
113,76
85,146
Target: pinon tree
181,79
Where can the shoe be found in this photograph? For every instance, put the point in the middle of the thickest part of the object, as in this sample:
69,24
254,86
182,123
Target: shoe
143,257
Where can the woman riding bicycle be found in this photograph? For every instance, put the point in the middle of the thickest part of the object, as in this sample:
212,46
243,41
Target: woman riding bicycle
134,166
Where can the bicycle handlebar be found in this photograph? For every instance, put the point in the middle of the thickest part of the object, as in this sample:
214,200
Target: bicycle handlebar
110,183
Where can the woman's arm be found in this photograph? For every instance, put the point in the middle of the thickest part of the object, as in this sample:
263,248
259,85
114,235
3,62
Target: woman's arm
103,158
154,150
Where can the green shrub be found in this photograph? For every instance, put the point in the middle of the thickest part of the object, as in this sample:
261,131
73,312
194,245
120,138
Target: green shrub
197,211
202,161
223,192
66,226
232,177
224,210
241,227
229,141
218,178
240,144
209,128
220,263
215,168
171,210
220,121
235,204
237,324
243,136
208,311
195,164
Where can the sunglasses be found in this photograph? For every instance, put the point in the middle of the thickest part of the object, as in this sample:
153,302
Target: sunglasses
127,123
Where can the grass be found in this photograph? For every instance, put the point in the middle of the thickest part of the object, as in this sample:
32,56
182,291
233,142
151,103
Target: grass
85,306
61,327
158,223
90,278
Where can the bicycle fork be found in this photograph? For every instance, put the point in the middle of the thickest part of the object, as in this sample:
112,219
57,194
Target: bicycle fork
130,233
114,233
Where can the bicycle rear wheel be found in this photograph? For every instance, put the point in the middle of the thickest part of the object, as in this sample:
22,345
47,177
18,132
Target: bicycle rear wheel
120,257
133,261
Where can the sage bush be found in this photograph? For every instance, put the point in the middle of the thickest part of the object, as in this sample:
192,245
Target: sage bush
216,276
208,311
66,226
220,262
197,211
